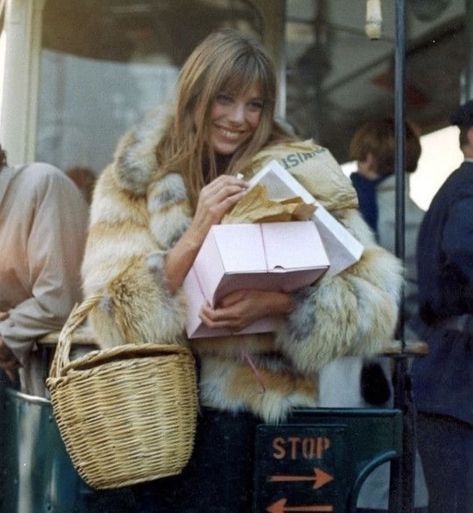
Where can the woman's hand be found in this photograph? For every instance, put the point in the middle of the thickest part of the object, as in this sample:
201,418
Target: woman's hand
243,307
215,200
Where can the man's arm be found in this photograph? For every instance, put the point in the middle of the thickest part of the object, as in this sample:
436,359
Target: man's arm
54,252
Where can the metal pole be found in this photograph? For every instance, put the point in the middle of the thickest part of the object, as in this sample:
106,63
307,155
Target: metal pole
401,497
468,91
399,127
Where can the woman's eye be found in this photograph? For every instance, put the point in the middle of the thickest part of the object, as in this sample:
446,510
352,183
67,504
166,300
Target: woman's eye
256,105
224,99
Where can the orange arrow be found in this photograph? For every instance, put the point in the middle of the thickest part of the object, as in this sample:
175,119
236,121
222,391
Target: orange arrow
280,507
320,478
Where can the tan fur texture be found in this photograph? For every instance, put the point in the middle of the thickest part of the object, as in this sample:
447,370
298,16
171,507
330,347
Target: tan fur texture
138,214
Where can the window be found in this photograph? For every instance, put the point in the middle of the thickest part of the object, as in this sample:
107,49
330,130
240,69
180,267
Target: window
105,63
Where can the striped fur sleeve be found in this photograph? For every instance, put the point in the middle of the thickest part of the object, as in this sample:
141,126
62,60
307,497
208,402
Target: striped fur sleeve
352,313
124,264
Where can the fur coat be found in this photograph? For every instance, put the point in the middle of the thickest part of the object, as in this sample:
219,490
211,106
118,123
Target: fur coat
138,213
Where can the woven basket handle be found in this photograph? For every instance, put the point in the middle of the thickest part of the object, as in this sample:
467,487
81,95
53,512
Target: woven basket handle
75,319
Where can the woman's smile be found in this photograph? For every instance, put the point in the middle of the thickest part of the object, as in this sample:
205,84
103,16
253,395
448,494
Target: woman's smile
231,134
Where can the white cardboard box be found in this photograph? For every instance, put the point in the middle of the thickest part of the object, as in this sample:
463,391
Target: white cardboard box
342,248
270,256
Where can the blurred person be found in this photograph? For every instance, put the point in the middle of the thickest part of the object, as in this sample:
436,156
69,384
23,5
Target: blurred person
43,222
373,147
353,382
443,380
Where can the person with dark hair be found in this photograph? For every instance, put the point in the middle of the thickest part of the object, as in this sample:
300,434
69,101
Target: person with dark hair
367,382
443,380
42,236
373,147
175,177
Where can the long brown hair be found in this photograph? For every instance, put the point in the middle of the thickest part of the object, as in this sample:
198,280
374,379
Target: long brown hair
225,61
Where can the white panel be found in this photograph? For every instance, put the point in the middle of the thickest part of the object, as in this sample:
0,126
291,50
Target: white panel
20,86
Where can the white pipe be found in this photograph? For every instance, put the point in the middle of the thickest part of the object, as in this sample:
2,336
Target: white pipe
22,31
374,19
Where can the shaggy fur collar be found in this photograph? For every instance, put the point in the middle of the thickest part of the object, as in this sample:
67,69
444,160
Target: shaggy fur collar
135,165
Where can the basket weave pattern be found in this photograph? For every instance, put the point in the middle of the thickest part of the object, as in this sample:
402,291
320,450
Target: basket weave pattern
126,414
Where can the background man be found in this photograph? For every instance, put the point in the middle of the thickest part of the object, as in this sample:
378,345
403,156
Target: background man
43,222
443,381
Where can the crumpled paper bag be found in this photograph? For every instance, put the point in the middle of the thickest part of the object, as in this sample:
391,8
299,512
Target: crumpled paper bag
256,207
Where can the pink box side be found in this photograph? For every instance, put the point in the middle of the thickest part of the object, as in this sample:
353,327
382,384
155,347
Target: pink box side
282,242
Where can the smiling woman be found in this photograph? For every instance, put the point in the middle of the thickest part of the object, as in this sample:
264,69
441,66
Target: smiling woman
172,180
227,98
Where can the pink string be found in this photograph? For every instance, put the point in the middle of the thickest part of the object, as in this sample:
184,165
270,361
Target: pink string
245,356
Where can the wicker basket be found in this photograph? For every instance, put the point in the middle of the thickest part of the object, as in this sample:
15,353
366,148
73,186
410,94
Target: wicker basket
126,414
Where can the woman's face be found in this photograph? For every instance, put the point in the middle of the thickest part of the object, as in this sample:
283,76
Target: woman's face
234,119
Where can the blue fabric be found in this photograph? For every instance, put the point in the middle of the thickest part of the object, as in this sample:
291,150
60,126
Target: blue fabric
445,249
443,380
446,449
366,191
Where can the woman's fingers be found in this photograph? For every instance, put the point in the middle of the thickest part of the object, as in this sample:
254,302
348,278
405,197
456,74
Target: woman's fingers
243,307
220,318
223,196
225,201
216,199
224,186
218,190
232,298
226,179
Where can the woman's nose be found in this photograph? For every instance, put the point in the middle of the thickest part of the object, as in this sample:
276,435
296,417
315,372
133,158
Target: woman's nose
237,113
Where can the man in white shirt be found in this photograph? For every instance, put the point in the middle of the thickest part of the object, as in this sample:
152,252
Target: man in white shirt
43,223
